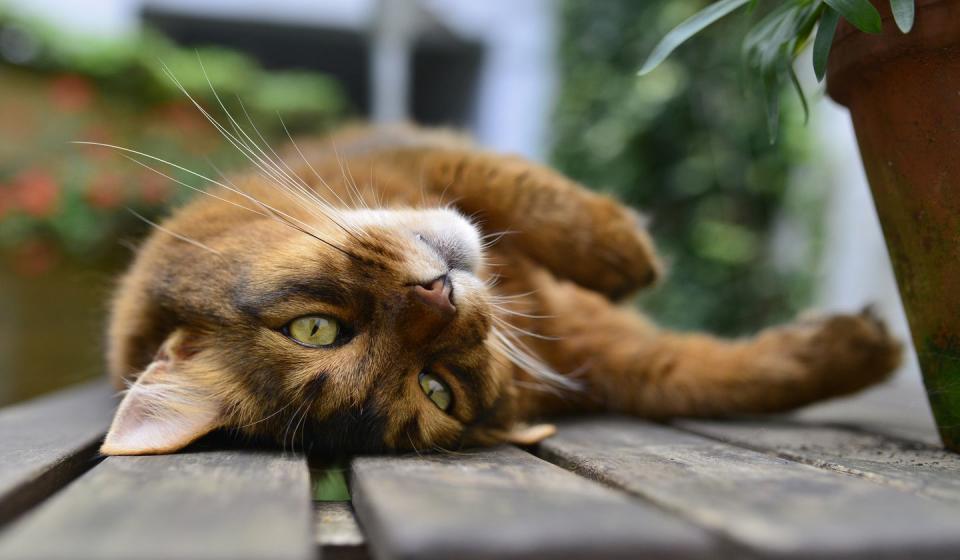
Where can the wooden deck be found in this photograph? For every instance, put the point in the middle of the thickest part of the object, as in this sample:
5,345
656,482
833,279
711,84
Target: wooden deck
854,479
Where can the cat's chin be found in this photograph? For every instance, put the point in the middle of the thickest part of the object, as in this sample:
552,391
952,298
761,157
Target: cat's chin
446,232
454,238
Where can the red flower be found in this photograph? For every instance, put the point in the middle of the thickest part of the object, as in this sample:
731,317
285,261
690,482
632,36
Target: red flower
154,189
6,201
105,191
71,93
183,116
98,133
35,192
187,125
35,257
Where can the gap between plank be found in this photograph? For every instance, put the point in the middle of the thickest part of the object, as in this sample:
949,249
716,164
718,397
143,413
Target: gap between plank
23,499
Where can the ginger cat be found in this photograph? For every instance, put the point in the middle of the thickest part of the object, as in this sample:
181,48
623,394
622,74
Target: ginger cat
397,288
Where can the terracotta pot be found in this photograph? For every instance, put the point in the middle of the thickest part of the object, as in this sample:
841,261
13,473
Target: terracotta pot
903,92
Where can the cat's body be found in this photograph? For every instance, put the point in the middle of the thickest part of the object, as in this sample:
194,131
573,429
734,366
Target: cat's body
426,318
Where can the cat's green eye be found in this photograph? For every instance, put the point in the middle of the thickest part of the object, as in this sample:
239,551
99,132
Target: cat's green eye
436,390
314,330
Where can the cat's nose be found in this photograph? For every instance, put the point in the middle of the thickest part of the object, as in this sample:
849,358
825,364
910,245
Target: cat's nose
437,293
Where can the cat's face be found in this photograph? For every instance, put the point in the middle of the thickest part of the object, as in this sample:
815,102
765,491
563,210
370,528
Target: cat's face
387,345
373,332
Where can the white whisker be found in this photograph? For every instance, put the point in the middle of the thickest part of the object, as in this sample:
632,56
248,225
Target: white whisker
524,332
519,314
302,190
309,165
265,418
250,155
179,236
192,187
348,179
519,355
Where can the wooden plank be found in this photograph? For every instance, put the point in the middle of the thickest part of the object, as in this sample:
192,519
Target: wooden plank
338,537
898,408
505,503
46,442
915,467
780,508
201,504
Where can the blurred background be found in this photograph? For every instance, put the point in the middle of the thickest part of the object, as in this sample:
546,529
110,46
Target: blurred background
753,233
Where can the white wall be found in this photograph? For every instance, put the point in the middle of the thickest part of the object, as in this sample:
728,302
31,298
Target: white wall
518,82
856,268
97,17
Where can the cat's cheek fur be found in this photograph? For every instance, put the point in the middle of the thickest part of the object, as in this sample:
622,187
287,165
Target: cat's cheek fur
161,412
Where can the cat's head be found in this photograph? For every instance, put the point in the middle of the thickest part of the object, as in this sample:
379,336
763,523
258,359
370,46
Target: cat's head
371,331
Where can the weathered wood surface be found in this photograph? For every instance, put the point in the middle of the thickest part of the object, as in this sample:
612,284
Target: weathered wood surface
505,503
201,504
765,487
914,467
337,534
46,442
897,408
775,506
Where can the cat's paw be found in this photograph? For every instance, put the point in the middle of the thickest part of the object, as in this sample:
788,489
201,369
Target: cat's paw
846,352
624,247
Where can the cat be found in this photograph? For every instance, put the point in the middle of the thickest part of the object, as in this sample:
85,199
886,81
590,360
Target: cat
397,288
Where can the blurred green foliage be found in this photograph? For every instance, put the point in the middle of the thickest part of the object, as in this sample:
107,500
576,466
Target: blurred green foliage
329,483
688,146
63,201
773,44
137,69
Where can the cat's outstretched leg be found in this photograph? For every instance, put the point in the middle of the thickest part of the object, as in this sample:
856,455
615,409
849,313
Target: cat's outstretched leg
629,365
576,234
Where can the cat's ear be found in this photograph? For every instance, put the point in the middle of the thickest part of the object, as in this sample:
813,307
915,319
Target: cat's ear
163,411
524,434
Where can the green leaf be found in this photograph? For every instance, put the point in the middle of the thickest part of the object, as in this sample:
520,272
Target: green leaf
329,484
821,45
805,25
860,13
690,27
771,42
771,94
769,49
903,14
803,98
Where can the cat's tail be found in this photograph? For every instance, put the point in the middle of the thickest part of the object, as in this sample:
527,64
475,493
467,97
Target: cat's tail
629,365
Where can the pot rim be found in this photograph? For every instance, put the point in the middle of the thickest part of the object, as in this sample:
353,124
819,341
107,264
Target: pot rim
936,26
